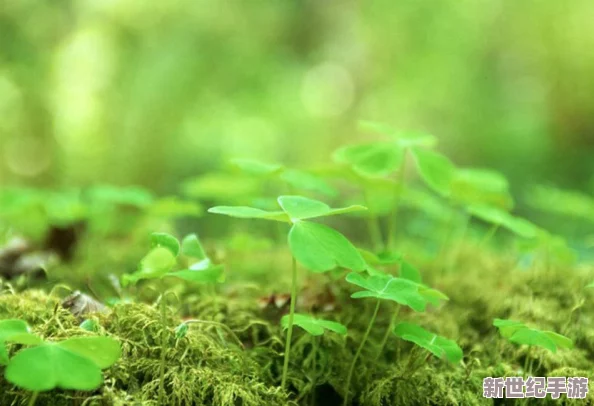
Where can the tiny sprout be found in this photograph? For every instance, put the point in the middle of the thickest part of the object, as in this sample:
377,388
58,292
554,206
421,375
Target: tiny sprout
314,326
90,325
181,331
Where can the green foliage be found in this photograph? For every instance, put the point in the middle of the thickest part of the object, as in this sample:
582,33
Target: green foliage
493,215
519,333
10,329
166,241
562,202
302,208
386,287
378,159
321,248
436,170
314,326
439,346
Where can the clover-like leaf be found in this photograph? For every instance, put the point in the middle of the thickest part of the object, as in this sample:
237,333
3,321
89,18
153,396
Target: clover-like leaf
436,170
376,159
517,332
191,247
8,329
103,351
155,264
564,202
167,241
246,212
321,248
387,287
211,274
439,346
494,215
302,208
51,366
508,327
255,167
314,326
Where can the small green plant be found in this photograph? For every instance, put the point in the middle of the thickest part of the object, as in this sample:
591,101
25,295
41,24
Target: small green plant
518,333
160,262
316,246
74,363
381,287
314,326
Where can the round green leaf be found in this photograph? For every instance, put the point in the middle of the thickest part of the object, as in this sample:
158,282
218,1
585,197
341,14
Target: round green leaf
191,247
321,248
436,170
50,366
387,287
314,326
103,351
439,346
167,241
376,159
494,215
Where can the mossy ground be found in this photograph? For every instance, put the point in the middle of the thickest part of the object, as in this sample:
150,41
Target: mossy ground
207,367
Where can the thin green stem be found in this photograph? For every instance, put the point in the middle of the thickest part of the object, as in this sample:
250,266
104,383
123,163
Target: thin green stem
33,398
392,219
358,353
388,331
375,233
290,326
163,308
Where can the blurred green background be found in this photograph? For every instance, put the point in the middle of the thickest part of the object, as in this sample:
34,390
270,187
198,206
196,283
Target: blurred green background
151,93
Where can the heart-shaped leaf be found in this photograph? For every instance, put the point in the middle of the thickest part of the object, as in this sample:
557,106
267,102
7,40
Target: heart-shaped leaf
257,168
155,264
9,329
191,247
436,170
376,159
321,248
314,326
493,215
51,366
302,208
167,241
387,287
250,213
103,351
439,346
212,274
517,332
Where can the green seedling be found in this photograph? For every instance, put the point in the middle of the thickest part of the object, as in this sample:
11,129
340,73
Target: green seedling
159,263
370,161
75,363
315,246
386,287
439,346
518,333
